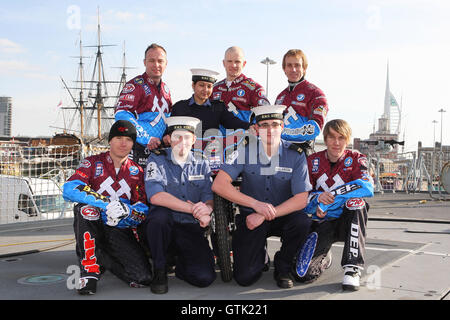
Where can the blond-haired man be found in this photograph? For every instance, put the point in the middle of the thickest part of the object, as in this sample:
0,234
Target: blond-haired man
340,181
306,104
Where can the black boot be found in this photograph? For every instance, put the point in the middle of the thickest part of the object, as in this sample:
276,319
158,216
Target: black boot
284,280
159,284
87,286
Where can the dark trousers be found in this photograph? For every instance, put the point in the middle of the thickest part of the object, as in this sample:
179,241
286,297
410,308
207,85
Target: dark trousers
101,246
350,228
249,245
195,259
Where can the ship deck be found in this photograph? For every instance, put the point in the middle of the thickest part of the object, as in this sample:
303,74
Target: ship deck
407,257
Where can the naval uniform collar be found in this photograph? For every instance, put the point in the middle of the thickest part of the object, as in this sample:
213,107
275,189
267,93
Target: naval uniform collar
262,152
190,158
192,101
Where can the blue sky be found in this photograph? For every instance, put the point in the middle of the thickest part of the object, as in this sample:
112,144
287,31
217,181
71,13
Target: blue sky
348,44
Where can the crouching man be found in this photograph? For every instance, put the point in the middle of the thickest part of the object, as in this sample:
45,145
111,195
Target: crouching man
178,186
272,194
109,190
341,180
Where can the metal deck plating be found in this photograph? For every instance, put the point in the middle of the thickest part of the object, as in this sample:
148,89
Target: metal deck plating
407,253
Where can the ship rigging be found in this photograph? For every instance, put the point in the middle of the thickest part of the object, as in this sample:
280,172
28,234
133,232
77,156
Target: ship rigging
92,107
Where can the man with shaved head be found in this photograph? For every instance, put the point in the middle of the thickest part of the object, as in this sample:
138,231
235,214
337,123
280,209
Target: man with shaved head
239,93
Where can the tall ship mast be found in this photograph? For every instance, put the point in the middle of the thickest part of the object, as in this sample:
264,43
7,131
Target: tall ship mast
79,105
123,77
92,106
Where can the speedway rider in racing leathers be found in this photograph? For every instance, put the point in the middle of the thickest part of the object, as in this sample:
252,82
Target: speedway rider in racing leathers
109,189
306,104
145,101
340,181
238,92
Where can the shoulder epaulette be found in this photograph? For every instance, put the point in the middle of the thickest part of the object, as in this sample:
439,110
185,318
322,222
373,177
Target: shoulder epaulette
296,148
159,151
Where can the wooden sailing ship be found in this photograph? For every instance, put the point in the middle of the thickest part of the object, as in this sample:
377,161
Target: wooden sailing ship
92,106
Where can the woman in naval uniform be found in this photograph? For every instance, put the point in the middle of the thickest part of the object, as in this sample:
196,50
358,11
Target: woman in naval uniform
212,113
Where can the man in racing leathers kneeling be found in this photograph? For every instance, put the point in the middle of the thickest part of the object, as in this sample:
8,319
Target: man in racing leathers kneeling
340,181
109,190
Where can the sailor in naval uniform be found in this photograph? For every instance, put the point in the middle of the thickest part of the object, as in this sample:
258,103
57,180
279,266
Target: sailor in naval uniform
178,187
212,114
273,192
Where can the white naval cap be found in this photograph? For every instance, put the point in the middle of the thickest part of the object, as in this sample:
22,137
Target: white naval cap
268,112
182,123
204,75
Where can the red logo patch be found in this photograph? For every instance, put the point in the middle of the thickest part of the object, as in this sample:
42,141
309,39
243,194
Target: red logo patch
355,203
90,213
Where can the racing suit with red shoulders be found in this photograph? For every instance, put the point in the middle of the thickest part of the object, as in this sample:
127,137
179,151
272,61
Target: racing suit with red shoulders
93,185
240,96
306,107
325,176
146,105
346,223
